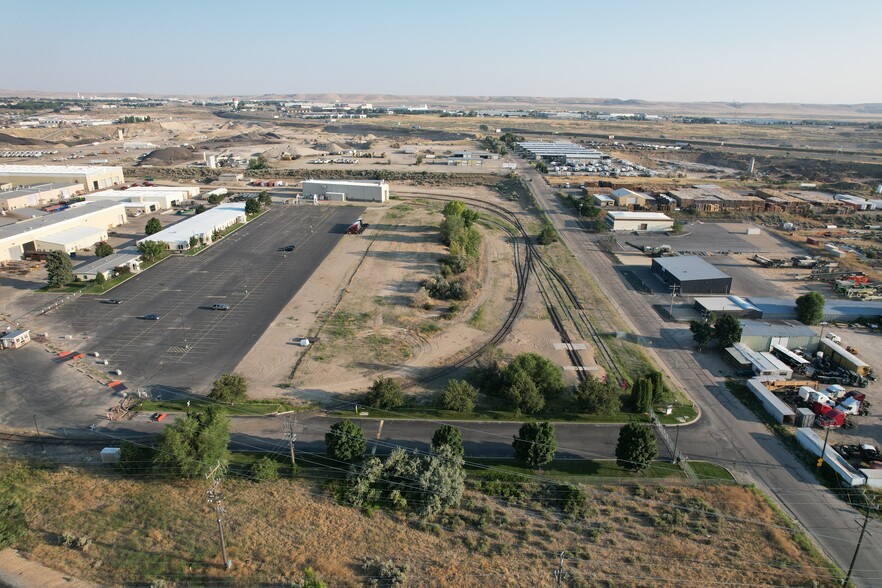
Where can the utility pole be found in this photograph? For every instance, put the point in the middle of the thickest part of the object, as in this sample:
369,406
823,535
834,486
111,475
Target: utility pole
559,573
215,498
292,437
824,450
857,548
42,447
673,293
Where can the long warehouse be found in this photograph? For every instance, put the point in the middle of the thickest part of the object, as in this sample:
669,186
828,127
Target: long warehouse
91,177
202,226
692,275
345,191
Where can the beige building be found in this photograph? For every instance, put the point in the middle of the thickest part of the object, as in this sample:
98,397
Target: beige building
346,191
19,238
38,195
91,177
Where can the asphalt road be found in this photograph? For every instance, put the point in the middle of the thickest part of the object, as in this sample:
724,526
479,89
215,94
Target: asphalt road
727,432
190,345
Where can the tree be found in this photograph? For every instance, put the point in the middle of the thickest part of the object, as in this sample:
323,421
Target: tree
13,523
59,268
194,445
702,333
193,241
547,235
216,198
345,441
600,226
230,388
535,444
265,199
541,167
258,162
103,249
311,580
636,447
595,397
677,227
459,395
265,469
453,208
152,227
448,436
521,393
659,390
386,393
134,459
252,206
419,160
100,279
547,376
641,395
727,330
200,209
810,308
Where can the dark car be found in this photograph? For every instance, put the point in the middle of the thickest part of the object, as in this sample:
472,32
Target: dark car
114,301
151,317
220,306
289,248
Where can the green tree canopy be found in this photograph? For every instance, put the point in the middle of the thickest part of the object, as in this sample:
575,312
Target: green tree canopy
264,469
448,436
103,249
535,444
265,199
152,227
194,445
459,395
385,393
200,208
636,447
810,308
252,206
13,523
230,388
345,441
520,391
547,376
547,235
151,250
593,396
641,395
727,330
59,269
702,333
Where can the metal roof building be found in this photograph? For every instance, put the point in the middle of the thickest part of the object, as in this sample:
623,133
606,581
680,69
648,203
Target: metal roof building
834,310
91,177
623,220
106,265
558,151
347,190
692,275
71,240
760,335
734,305
37,195
200,226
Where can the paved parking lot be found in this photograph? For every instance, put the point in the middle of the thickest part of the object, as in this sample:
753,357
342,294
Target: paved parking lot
190,345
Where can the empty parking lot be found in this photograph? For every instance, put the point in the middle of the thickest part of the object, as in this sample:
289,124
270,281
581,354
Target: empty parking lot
191,344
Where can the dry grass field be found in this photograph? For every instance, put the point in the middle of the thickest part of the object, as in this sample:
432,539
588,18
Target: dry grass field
136,531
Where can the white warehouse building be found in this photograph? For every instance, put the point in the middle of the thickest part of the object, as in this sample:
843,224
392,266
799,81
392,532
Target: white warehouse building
202,226
18,238
91,177
638,221
345,191
151,198
71,240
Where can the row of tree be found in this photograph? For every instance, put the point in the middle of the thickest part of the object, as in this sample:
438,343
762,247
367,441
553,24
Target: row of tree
725,330
459,233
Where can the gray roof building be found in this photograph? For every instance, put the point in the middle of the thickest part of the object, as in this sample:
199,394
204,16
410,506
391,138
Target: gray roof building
692,275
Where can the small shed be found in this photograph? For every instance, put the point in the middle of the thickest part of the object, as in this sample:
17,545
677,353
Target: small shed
15,339
110,455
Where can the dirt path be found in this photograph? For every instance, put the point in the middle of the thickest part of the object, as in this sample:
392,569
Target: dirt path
18,572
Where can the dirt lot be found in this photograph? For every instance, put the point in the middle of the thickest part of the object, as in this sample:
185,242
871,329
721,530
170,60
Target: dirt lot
137,531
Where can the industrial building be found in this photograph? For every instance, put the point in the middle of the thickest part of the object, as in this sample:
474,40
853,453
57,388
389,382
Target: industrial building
71,240
346,191
692,275
603,200
626,197
734,305
559,151
202,226
38,195
762,364
91,177
760,335
841,357
619,220
19,238
106,266
841,311
149,198
15,339
712,198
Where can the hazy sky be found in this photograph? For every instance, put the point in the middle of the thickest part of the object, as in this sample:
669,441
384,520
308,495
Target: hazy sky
744,50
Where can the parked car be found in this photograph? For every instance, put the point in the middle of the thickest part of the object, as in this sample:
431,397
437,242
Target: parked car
158,416
114,301
289,248
151,317
220,307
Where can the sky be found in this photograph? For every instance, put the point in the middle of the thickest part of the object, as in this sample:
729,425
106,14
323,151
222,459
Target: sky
805,51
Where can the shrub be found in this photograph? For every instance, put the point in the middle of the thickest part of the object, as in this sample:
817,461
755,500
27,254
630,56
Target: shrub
459,395
386,393
13,524
265,469
230,388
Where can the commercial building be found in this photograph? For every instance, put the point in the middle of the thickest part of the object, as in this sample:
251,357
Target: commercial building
692,275
91,177
202,226
345,191
760,335
149,198
38,195
19,238
15,339
559,151
71,240
619,220
711,198
763,364
603,200
626,197
106,266
835,310
842,357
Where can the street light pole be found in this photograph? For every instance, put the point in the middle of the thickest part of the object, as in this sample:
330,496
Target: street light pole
824,450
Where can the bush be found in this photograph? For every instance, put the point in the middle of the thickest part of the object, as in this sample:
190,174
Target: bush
595,397
135,460
265,469
547,235
13,523
103,249
386,393
345,441
230,388
565,497
459,395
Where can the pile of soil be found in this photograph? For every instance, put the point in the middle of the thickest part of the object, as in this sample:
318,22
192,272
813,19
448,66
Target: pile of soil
10,140
169,156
